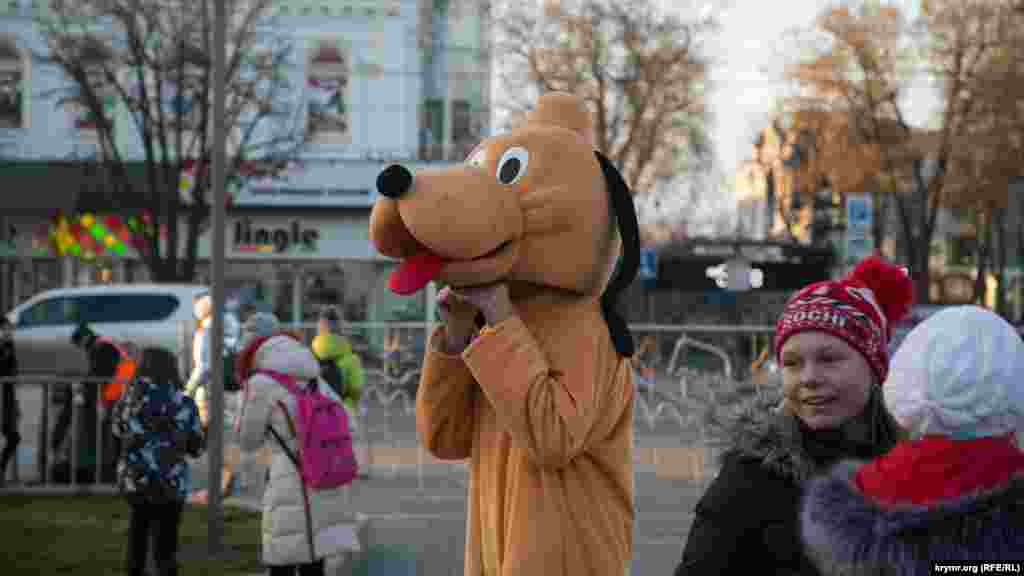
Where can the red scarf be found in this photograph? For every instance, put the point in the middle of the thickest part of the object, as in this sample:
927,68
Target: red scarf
937,468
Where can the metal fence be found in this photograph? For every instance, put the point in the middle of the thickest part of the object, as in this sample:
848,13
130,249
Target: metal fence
677,378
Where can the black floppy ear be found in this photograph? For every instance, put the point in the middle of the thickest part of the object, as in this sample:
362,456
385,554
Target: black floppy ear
629,231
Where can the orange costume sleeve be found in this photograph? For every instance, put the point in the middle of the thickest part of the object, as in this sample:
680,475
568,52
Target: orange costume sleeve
548,412
445,402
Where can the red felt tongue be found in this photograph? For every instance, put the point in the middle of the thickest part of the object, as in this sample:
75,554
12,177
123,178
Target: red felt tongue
414,273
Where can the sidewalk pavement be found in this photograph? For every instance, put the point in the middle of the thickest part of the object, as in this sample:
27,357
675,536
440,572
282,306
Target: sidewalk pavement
408,525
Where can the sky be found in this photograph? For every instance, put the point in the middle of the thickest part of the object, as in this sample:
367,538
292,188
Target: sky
746,82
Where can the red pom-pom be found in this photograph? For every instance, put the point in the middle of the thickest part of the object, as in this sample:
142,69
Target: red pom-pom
891,284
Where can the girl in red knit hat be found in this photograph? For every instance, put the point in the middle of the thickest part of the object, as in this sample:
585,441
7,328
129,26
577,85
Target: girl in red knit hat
952,493
831,342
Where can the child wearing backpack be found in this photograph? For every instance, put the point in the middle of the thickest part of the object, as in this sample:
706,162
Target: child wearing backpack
291,408
158,426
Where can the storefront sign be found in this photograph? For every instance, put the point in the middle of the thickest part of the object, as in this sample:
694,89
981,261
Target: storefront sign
249,238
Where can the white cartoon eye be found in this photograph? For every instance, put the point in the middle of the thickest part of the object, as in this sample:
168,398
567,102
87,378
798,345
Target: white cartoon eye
512,165
477,158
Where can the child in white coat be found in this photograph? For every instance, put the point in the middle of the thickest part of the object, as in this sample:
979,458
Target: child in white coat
297,534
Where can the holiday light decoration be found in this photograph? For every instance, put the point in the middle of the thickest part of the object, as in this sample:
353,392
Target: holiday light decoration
89,235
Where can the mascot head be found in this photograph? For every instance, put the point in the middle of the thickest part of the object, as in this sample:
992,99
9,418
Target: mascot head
536,207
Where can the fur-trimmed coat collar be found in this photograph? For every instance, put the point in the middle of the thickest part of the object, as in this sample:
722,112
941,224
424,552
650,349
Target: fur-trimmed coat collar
847,533
760,429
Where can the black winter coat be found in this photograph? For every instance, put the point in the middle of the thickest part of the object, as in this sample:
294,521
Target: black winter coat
748,519
8,402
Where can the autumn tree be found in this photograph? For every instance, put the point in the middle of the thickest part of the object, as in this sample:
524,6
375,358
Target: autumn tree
141,73
858,67
826,154
989,154
644,73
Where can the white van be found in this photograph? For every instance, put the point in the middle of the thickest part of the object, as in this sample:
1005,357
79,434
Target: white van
142,315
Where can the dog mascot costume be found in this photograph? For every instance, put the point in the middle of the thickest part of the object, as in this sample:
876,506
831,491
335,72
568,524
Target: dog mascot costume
541,402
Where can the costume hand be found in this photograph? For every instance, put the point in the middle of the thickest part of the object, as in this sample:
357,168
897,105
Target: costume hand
458,317
492,300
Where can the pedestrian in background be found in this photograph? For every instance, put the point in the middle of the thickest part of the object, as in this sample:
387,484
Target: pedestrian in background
341,368
831,343
198,387
158,426
198,381
954,491
9,411
110,370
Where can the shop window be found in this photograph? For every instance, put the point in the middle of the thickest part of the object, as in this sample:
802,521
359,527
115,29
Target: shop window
13,89
327,75
283,302
46,273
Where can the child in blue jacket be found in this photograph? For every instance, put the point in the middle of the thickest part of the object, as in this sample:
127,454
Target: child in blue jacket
158,426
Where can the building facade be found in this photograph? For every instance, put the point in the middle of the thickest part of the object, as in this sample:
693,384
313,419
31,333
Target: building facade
403,81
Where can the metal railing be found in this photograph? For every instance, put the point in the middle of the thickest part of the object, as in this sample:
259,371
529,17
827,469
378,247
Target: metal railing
672,401
43,433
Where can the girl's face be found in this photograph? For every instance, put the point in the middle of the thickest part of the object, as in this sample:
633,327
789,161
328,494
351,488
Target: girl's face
825,381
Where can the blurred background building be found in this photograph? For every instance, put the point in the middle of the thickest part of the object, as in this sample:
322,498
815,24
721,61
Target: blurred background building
391,81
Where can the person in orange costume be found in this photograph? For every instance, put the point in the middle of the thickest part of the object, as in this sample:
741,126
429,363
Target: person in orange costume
529,375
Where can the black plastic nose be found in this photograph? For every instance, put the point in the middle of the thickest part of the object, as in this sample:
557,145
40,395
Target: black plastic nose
394,181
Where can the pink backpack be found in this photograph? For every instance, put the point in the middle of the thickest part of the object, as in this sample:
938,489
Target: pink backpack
326,459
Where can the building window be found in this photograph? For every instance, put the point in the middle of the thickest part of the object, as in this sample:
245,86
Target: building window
432,130
327,76
963,251
464,134
13,87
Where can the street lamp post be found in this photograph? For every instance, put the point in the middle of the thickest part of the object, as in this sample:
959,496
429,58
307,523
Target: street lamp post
215,388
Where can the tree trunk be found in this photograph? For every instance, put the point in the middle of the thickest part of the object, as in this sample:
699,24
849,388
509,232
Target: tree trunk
983,250
880,203
923,280
916,257
1000,260
780,206
1019,251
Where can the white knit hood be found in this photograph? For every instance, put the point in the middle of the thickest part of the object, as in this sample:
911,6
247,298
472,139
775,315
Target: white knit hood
960,374
286,355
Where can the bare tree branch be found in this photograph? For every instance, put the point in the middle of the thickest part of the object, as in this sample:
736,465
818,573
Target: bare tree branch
158,67
639,68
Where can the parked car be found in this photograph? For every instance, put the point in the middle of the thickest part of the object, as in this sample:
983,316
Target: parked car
140,314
